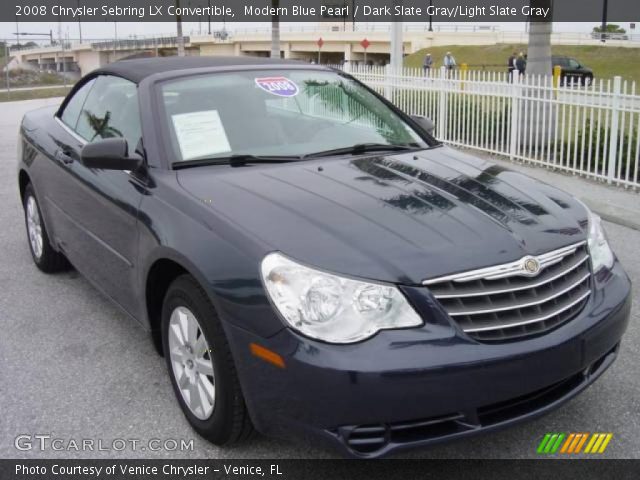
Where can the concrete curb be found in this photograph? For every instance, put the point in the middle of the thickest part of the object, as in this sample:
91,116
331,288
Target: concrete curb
613,218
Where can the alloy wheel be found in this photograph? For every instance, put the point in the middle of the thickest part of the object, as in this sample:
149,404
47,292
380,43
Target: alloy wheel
192,362
34,227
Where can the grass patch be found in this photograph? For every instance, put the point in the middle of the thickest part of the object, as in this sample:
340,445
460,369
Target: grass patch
17,95
606,62
20,77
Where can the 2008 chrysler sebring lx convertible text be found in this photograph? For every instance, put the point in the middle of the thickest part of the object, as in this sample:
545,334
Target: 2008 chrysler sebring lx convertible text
311,262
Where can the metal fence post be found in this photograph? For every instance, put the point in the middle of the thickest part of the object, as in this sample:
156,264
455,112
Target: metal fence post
442,106
516,91
6,67
388,79
613,134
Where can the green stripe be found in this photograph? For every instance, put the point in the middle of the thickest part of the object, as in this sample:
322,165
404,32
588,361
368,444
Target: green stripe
550,443
558,443
543,443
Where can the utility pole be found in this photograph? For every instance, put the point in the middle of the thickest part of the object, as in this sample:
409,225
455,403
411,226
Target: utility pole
396,43
79,24
180,39
431,17
64,60
115,41
6,49
603,29
209,17
353,15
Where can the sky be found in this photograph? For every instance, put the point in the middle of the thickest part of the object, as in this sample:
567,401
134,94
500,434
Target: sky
107,30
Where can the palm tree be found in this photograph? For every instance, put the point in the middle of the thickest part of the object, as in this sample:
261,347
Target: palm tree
539,48
275,30
180,39
537,126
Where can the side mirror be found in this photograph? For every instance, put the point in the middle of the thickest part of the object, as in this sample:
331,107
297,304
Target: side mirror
109,154
426,123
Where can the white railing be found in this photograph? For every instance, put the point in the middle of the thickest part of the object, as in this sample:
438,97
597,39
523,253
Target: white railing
591,130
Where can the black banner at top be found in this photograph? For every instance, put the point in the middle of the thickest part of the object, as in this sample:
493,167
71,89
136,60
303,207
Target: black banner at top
320,10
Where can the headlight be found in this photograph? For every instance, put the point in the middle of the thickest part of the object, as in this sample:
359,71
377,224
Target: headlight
332,308
601,254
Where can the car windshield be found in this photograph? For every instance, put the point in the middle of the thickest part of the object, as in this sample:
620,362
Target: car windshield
277,113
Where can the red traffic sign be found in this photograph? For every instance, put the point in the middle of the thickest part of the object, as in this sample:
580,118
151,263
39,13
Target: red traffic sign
320,42
365,43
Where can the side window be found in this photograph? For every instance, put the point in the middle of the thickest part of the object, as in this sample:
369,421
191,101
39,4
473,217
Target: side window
72,110
111,110
573,63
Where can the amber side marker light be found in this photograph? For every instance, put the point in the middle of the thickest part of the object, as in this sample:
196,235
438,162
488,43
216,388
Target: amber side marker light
267,355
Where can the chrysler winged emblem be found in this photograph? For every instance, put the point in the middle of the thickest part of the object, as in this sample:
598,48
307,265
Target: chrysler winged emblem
531,266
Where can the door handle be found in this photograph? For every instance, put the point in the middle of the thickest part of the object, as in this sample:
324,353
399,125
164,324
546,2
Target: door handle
64,157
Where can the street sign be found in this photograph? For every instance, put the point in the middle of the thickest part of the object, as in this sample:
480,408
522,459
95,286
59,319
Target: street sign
365,43
320,42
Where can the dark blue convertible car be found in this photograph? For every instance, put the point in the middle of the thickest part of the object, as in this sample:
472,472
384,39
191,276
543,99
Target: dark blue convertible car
312,262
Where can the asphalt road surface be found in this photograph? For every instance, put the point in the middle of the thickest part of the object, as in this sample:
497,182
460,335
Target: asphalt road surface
75,368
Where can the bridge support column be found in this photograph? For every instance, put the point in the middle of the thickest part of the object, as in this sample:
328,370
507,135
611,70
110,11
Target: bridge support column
348,50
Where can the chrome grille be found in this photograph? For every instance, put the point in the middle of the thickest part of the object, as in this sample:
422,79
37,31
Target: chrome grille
507,302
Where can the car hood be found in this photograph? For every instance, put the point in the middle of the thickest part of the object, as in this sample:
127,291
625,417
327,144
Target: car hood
400,218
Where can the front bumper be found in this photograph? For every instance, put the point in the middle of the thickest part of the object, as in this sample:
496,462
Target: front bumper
409,388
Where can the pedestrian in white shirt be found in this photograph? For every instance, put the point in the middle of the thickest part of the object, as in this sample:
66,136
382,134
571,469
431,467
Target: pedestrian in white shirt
449,63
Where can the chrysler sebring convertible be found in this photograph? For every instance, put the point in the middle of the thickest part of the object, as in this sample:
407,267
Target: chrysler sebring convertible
311,262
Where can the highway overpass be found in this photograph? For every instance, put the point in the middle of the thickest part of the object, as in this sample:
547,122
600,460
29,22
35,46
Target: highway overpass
340,44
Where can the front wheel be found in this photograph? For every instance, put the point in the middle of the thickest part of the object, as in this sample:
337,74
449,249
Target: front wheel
43,254
200,365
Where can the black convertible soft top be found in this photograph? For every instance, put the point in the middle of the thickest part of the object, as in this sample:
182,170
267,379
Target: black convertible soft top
138,69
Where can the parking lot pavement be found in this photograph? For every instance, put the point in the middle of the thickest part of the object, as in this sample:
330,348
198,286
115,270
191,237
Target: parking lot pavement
75,368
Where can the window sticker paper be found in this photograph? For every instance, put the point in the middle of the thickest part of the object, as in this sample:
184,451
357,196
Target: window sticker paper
200,134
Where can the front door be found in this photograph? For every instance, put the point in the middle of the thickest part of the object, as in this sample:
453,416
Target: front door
101,206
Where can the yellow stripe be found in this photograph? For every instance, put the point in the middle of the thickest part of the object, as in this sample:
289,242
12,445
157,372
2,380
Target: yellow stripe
605,443
596,445
567,442
584,439
594,437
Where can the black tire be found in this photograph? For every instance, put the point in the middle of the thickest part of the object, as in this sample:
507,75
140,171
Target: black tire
49,261
229,422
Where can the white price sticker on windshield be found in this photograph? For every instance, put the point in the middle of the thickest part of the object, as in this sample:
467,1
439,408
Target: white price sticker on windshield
200,134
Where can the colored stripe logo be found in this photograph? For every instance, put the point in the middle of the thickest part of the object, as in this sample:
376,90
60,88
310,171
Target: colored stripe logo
573,443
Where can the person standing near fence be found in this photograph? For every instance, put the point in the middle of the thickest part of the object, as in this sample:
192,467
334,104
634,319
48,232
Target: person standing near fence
427,63
521,64
449,63
511,65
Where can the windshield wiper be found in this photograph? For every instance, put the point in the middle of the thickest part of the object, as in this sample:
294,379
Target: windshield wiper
362,148
236,160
